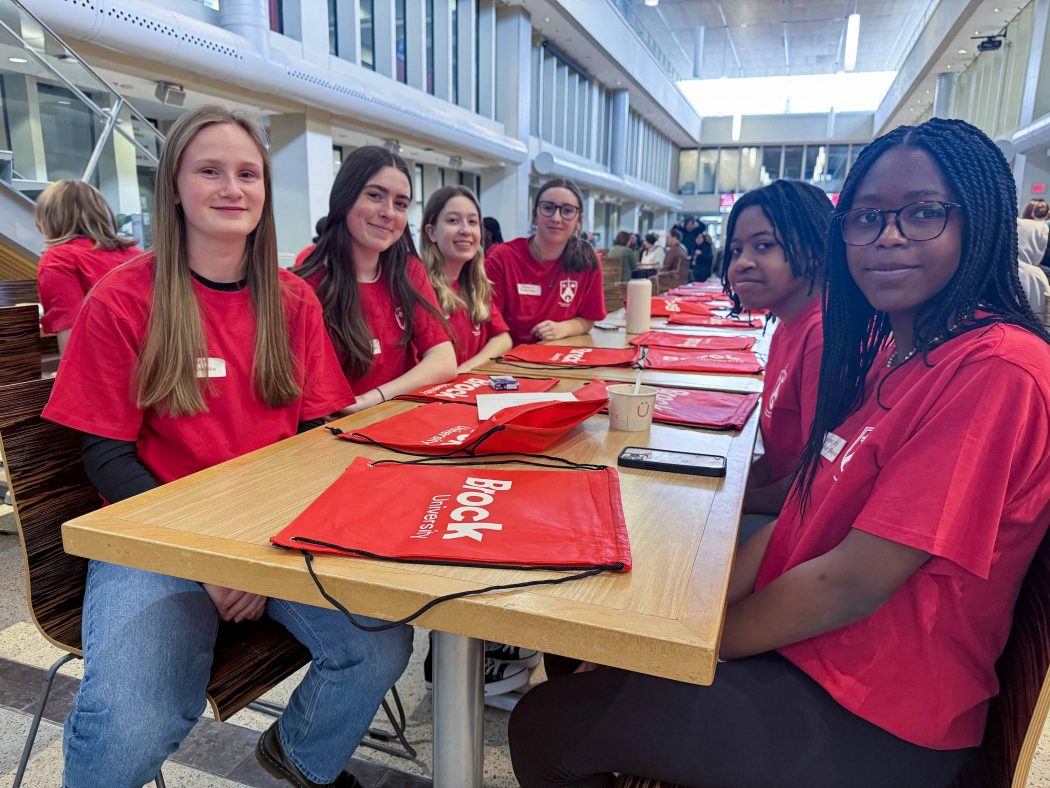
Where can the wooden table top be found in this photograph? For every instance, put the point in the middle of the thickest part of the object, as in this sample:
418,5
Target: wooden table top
739,384
663,618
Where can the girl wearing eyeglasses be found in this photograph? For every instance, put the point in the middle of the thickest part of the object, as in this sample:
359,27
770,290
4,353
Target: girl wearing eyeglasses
379,306
549,285
776,239
864,625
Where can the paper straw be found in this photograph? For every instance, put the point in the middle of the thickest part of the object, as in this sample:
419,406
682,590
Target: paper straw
638,380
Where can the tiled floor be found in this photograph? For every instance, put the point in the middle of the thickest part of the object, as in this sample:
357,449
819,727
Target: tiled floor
220,755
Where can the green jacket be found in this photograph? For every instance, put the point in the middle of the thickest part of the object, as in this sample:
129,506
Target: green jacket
628,260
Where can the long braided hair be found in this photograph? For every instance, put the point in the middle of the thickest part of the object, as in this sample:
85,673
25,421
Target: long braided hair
986,279
800,214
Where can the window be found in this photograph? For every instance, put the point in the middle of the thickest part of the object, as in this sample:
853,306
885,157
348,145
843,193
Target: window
770,164
816,159
728,166
417,185
835,172
400,41
333,27
750,168
366,12
276,16
337,158
430,47
688,167
792,162
708,168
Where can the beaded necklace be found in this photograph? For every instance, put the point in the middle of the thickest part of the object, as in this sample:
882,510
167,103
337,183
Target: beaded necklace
893,361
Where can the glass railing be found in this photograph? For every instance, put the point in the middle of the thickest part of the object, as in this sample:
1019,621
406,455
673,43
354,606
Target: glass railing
61,120
647,39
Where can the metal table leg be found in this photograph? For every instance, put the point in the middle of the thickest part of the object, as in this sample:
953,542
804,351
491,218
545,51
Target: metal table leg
458,708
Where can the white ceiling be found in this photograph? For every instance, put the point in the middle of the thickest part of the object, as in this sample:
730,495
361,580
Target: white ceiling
757,38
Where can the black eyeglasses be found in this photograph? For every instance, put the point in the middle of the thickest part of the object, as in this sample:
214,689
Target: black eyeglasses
918,221
548,209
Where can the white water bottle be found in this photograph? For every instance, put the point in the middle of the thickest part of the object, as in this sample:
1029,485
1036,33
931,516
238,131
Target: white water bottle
639,303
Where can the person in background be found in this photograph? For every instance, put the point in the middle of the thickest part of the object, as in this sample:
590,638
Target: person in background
451,251
653,258
622,254
1036,209
81,246
704,259
318,229
548,286
776,238
1032,236
691,232
493,234
196,353
675,260
379,306
863,626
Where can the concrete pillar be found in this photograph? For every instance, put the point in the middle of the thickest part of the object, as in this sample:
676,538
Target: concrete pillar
486,58
301,146
443,49
944,94
621,108
590,199
630,217
348,32
698,51
505,188
384,25
118,173
416,43
466,22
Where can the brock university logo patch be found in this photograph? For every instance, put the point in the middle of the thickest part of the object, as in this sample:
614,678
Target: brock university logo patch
567,290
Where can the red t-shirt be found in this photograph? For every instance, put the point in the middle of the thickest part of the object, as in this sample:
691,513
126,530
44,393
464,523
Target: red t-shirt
528,291
789,392
390,358
96,384
953,460
303,254
469,336
67,272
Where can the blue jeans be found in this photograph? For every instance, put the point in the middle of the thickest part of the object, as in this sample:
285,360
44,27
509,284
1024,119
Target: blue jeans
148,642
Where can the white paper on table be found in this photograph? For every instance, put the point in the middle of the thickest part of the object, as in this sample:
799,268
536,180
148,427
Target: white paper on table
490,404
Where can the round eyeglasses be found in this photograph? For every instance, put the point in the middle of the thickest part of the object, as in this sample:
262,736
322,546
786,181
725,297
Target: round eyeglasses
548,209
918,221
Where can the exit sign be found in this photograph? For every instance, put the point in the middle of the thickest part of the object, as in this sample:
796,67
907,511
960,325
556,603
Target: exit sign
1038,188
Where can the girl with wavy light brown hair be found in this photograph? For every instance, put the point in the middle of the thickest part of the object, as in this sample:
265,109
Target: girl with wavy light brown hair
192,355
82,246
451,249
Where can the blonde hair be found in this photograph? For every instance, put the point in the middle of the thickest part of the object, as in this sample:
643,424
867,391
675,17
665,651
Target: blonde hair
75,209
475,287
167,374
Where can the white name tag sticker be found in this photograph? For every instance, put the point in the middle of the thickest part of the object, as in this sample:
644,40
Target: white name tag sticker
833,446
376,347
211,368
533,290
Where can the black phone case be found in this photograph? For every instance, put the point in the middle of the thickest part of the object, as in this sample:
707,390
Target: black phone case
692,470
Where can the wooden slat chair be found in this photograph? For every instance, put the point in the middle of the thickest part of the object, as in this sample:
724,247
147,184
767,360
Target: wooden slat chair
49,486
19,344
1019,712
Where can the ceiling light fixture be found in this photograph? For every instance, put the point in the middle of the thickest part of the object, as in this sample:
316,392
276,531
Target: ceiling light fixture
18,60
962,51
852,41
652,3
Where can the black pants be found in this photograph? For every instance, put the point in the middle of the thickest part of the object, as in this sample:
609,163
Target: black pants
762,723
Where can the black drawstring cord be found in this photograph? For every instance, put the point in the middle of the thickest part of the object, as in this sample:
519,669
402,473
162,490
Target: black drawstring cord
466,449
454,462
447,597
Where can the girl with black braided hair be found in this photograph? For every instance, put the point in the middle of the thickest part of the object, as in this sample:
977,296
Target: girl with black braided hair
863,626
775,240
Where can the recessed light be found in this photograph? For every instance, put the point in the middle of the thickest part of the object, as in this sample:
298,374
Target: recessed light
927,91
962,51
949,65
546,19
995,10
18,60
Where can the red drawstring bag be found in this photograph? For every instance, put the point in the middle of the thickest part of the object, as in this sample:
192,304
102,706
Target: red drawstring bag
740,361
694,342
452,428
712,321
465,388
714,410
468,516
692,288
564,356
663,307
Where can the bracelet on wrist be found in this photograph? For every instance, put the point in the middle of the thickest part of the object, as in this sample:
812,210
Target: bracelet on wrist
382,396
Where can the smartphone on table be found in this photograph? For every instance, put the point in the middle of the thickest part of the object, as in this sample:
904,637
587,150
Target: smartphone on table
672,461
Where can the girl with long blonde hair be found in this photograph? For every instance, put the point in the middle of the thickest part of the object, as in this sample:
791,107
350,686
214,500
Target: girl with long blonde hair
82,246
450,246
196,353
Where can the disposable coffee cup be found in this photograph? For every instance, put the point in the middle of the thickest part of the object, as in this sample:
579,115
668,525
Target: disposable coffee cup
629,411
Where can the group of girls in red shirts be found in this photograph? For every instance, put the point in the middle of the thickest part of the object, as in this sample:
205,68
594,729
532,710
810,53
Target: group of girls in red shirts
203,349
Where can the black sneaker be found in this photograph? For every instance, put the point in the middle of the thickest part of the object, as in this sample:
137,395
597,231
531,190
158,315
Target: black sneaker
514,655
500,677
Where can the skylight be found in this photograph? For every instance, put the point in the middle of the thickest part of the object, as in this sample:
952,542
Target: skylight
843,92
